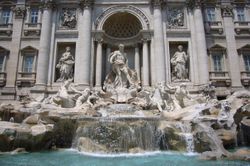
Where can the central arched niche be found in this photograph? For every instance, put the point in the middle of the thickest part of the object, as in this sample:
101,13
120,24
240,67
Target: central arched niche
122,25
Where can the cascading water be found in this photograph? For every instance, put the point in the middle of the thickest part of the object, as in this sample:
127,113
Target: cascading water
186,133
117,135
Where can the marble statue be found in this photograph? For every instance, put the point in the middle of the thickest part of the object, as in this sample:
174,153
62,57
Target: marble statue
69,20
65,66
121,75
82,96
181,93
179,63
62,98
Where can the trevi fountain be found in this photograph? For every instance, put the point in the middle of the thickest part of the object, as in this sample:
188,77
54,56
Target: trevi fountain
123,123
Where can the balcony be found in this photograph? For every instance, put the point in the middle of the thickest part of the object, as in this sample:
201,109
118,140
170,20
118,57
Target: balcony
26,79
242,27
2,78
245,78
214,27
220,78
32,29
5,30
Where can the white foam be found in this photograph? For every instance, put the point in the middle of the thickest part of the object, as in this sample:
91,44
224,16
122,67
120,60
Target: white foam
148,153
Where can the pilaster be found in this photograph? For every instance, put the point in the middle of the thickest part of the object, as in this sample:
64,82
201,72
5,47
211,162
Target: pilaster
12,64
233,59
83,48
159,51
44,48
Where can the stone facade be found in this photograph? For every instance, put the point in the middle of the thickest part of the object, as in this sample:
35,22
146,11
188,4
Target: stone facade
214,35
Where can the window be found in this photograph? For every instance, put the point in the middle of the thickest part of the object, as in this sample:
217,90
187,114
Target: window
211,14
247,62
28,60
217,61
34,16
1,63
5,16
240,13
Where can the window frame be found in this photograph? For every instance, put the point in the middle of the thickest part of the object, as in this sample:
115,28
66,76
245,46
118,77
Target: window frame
241,16
5,19
246,56
211,16
3,53
34,16
25,53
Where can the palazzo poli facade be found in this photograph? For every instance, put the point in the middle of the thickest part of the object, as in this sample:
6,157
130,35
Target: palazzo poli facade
171,41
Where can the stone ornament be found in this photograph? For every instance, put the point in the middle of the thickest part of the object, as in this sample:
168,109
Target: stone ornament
68,19
19,12
175,17
179,65
65,66
227,11
86,3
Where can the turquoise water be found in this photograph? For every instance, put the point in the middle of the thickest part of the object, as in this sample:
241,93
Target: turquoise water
73,158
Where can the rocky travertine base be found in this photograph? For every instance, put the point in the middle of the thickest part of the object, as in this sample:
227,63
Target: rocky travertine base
208,128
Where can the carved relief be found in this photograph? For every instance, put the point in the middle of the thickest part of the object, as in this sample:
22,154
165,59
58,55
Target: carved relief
68,18
175,17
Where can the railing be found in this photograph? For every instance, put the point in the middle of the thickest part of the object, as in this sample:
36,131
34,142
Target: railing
2,78
219,74
220,78
214,26
6,29
26,77
32,29
242,26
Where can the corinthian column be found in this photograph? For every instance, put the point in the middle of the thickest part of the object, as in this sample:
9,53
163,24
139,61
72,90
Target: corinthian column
201,41
234,68
44,48
137,61
145,63
83,50
98,75
159,65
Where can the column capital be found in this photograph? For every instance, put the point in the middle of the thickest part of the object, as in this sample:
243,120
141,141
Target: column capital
157,3
98,36
19,11
84,4
227,11
194,4
48,4
146,35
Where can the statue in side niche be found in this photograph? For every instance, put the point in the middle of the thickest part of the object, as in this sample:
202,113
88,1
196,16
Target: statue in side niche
65,66
179,64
